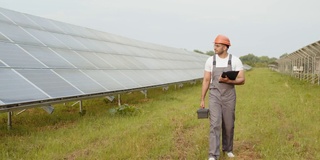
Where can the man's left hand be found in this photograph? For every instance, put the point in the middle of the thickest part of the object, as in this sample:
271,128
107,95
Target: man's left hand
224,80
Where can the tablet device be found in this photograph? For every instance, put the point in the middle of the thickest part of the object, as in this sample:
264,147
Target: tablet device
232,75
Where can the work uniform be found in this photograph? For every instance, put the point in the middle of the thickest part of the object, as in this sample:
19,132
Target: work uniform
222,99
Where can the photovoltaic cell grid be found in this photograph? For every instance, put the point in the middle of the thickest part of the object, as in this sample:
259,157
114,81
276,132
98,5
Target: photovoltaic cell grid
43,59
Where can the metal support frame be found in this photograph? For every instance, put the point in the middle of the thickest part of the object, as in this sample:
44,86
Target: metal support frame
165,88
193,82
21,111
49,109
110,98
180,85
307,58
145,93
81,110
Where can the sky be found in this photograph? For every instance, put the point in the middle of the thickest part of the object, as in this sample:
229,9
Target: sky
260,27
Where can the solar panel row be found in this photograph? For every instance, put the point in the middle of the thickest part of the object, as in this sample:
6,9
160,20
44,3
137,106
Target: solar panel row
43,59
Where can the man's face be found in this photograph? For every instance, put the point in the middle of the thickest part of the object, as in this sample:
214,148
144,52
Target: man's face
219,48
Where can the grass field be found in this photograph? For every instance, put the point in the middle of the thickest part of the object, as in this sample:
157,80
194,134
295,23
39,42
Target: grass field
277,117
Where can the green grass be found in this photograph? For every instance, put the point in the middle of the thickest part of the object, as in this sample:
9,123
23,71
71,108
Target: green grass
276,118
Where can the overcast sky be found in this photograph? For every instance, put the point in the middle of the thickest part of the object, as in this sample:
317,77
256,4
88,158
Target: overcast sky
261,27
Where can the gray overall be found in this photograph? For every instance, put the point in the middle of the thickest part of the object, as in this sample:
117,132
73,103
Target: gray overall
222,100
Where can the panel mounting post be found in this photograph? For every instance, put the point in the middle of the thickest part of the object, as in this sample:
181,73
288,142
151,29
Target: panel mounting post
180,85
119,100
193,82
80,106
145,92
81,111
9,120
165,88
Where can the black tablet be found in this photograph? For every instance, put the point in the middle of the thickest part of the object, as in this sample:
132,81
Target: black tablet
230,74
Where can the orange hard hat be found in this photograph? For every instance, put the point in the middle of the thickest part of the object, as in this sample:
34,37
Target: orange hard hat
222,40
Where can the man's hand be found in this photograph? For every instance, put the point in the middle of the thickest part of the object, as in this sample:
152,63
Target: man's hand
224,80
202,104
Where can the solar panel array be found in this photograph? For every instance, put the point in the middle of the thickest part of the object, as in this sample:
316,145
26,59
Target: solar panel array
43,59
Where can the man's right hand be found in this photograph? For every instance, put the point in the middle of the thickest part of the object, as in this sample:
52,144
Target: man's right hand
202,104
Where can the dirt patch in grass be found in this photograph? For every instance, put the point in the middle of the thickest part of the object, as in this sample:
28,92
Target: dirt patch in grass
181,143
77,154
87,151
245,151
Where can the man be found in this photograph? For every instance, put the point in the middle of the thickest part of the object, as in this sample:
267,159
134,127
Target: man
222,96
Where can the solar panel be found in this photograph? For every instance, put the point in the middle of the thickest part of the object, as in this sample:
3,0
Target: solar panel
46,56
43,60
74,58
81,81
2,65
70,42
46,38
50,83
3,38
16,89
15,56
45,24
105,79
17,34
18,18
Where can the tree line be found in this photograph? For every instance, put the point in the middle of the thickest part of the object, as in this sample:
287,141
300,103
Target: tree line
250,59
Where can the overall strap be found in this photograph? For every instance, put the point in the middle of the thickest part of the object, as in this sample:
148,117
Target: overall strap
229,61
215,62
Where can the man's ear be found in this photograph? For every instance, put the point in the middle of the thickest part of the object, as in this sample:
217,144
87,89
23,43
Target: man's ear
225,48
